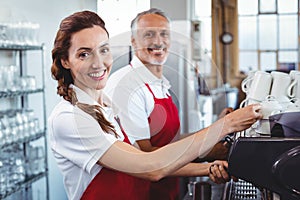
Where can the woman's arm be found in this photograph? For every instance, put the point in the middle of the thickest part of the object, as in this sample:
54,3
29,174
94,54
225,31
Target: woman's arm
166,160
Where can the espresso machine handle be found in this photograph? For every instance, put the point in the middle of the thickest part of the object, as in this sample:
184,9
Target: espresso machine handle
283,170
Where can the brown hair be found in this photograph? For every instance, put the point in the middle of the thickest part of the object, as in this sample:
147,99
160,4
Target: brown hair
68,26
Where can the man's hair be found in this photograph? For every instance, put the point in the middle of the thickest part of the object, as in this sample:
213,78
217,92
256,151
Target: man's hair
155,11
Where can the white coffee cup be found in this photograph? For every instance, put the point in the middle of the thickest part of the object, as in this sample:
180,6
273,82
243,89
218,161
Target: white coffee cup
270,106
293,73
246,83
260,86
294,88
294,106
281,82
248,101
296,101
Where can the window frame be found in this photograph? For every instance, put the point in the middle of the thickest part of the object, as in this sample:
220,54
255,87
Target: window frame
278,49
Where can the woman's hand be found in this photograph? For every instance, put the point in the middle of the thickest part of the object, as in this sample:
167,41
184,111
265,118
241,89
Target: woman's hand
242,118
218,172
225,111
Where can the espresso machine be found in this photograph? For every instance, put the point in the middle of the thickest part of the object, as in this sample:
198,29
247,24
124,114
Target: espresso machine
267,167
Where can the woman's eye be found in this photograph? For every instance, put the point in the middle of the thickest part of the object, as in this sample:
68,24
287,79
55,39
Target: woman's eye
104,50
84,55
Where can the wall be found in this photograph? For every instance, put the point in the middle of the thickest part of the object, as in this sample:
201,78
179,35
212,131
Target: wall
180,10
48,14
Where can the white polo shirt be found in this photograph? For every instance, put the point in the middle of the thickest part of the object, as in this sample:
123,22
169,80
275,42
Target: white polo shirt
126,88
77,142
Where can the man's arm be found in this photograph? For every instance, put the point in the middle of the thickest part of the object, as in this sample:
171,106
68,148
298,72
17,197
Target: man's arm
145,145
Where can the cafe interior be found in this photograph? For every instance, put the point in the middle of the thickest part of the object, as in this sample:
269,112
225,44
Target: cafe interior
224,53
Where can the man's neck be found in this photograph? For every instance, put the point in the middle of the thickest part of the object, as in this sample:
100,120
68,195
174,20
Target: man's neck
156,70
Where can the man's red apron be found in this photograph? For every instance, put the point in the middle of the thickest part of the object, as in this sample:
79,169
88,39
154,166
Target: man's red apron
113,185
164,124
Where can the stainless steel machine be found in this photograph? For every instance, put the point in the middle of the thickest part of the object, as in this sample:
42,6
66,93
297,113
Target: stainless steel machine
267,167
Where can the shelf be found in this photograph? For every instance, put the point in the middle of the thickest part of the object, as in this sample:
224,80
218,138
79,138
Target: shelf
21,97
19,93
24,184
21,47
25,140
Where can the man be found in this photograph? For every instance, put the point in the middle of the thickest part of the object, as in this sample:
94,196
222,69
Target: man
141,92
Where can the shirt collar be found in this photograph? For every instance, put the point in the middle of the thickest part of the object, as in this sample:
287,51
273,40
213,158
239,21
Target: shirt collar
83,97
145,74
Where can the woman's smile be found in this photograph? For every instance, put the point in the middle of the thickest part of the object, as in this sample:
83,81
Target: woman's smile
98,75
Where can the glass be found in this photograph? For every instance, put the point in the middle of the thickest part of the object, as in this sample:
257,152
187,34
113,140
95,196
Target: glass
30,82
3,36
2,137
9,76
29,114
248,61
24,83
2,132
35,34
267,32
267,6
14,160
35,160
247,33
289,6
21,125
18,172
15,130
7,131
12,78
29,33
246,7
288,29
3,177
3,79
268,61
13,33
36,125
19,33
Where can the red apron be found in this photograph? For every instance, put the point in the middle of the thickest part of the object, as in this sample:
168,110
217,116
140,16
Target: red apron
113,185
164,124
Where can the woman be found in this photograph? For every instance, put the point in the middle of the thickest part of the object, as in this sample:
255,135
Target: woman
93,153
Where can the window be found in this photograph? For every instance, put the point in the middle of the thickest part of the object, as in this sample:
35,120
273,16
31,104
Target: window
118,14
202,12
268,35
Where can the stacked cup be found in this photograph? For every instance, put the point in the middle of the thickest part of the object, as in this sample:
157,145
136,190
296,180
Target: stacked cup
275,91
280,85
270,106
294,87
257,87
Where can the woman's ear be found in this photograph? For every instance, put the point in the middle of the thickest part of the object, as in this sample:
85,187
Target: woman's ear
65,63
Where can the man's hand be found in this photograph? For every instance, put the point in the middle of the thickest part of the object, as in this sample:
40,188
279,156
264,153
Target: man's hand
218,172
218,152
